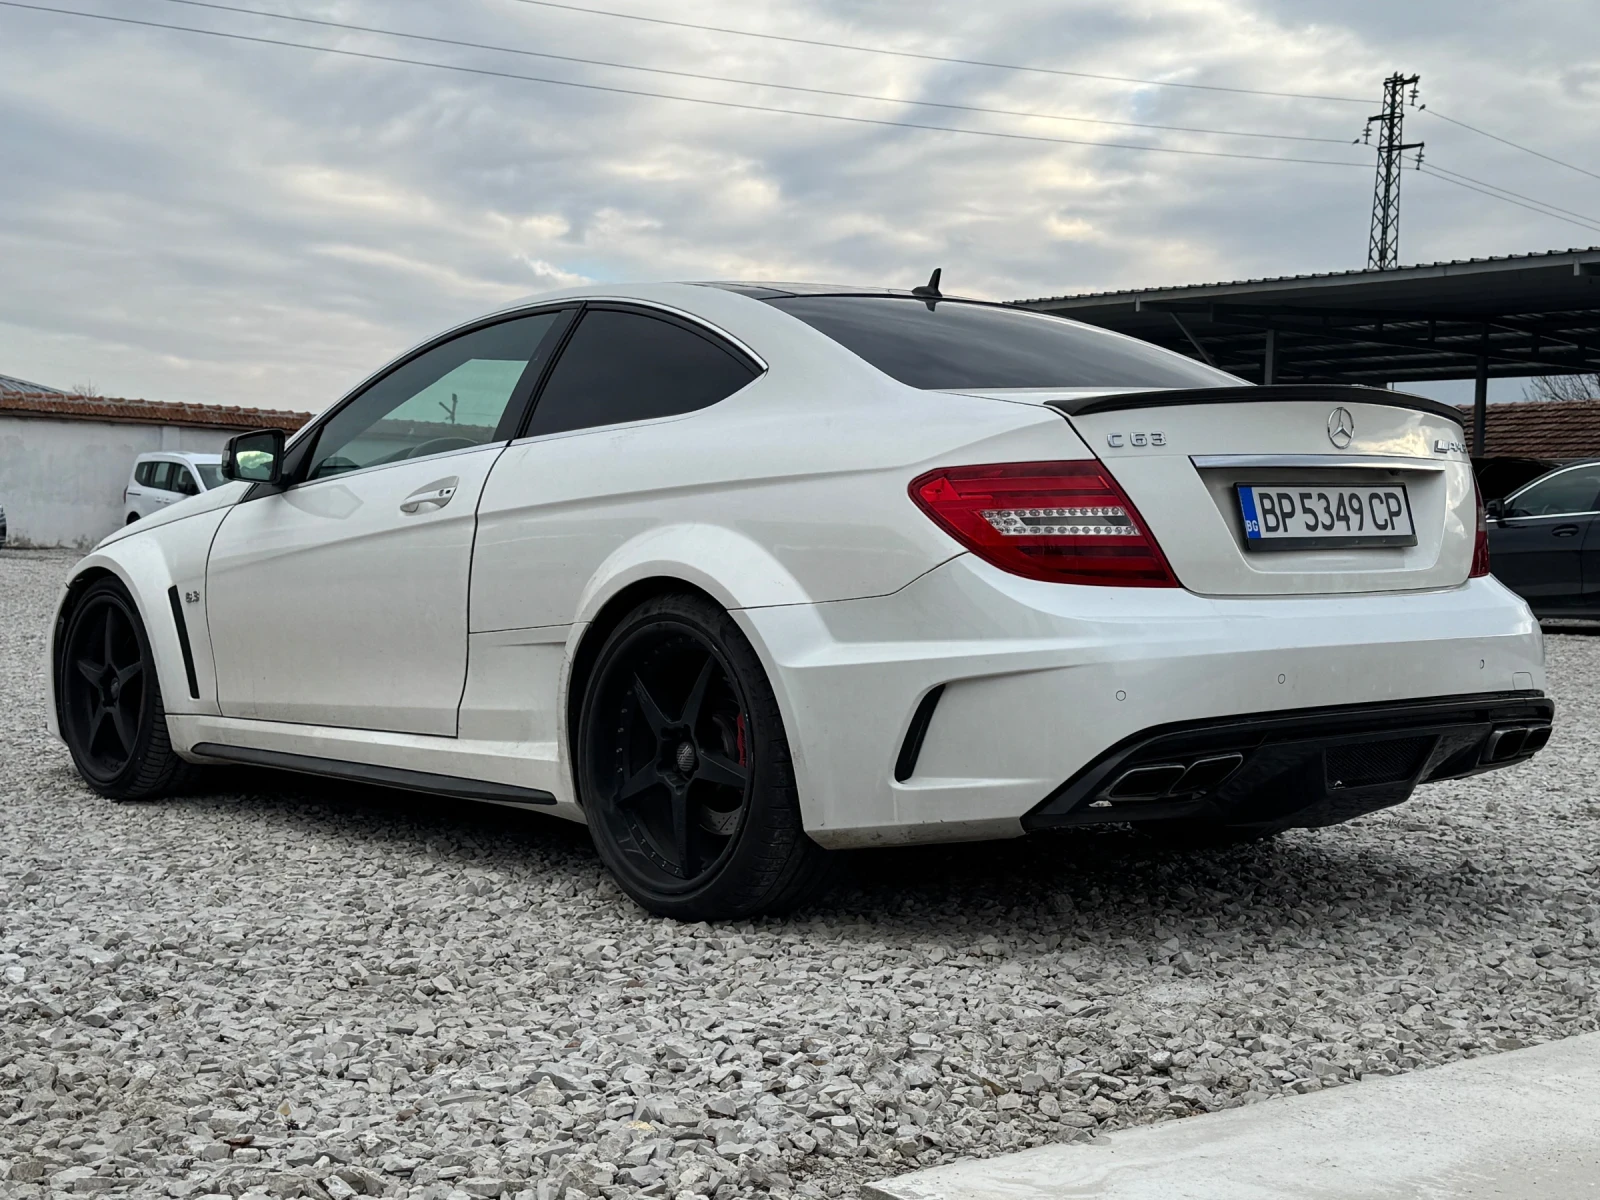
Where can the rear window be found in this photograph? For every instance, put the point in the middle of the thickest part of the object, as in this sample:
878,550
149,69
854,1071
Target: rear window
953,345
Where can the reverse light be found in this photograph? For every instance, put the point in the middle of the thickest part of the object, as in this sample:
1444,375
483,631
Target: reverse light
1062,522
1480,542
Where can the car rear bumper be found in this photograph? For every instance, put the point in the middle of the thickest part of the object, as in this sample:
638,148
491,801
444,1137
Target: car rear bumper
1305,768
1014,686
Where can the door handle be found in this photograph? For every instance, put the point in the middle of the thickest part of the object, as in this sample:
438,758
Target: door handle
435,496
1564,531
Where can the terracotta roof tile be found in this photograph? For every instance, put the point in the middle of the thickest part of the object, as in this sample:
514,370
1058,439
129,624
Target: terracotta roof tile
1558,429
147,412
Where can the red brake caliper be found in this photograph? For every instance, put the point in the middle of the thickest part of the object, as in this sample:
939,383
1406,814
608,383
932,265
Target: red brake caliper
738,727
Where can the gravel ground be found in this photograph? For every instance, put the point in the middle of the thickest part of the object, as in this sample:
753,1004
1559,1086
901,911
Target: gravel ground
289,988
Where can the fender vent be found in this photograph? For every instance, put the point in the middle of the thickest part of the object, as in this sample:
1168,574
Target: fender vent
183,643
911,749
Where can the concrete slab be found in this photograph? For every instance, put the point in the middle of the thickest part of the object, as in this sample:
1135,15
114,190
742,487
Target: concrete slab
1523,1125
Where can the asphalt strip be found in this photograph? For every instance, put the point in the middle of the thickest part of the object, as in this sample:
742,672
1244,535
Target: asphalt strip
1520,1125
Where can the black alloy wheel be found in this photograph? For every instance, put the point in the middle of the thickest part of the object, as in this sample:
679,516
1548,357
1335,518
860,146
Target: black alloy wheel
110,700
684,770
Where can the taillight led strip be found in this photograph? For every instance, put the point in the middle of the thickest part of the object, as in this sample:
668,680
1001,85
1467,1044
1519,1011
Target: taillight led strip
1063,522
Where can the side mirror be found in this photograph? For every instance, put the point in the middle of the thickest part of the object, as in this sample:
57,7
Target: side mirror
1495,510
254,457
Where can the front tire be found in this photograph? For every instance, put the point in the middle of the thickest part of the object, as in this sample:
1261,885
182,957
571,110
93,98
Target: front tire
684,769
112,717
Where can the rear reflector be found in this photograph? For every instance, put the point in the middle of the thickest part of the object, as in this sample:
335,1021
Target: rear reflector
1062,522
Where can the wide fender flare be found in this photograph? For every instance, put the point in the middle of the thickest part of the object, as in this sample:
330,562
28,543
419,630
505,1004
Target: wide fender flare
735,570
143,570
149,564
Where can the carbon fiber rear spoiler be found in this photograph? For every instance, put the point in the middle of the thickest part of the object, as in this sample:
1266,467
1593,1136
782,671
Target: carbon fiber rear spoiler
1323,393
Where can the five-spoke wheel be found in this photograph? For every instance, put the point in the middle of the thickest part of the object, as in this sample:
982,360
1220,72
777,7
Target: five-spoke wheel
110,701
684,770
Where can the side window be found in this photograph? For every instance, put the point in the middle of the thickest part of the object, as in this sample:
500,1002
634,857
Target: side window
161,475
1570,491
625,366
142,472
451,398
182,481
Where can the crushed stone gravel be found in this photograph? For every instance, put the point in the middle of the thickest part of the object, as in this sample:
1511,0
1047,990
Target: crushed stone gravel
275,987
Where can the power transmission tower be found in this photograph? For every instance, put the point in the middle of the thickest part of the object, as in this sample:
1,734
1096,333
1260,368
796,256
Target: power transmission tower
1383,246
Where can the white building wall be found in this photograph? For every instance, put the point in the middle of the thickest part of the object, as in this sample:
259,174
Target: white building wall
61,481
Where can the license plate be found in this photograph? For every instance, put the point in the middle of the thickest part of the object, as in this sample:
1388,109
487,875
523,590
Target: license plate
1322,516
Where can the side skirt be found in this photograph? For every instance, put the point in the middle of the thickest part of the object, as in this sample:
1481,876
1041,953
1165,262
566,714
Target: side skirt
395,777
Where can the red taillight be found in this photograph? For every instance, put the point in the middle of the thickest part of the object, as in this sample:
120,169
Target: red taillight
1063,522
1480,543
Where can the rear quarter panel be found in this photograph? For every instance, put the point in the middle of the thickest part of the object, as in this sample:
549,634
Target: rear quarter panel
770,497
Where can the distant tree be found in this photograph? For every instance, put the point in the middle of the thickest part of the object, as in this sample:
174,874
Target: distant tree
85,389
1563,387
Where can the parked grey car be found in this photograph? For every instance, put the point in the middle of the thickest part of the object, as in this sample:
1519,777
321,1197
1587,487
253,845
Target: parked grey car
1544,541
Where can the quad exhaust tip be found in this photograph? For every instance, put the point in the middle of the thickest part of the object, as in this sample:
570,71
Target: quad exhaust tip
1515,741
1161,780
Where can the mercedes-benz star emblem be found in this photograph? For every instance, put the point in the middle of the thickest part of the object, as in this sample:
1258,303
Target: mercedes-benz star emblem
1341,427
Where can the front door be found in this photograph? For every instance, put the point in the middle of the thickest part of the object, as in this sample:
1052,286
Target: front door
342,599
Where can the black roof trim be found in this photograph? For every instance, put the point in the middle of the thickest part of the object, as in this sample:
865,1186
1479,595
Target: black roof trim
1257,394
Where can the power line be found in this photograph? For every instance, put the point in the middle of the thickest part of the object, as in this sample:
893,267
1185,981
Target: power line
1518,195
1514,145
732,104
814,91
964,62
1428,170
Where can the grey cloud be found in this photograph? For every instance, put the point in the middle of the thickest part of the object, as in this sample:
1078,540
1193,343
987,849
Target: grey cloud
188,218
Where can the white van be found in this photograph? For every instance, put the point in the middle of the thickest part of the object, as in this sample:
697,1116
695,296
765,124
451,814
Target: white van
165,478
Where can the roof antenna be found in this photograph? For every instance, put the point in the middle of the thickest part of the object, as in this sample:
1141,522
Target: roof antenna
929,293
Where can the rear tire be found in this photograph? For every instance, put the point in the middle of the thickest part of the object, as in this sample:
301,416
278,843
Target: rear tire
112,717
684,771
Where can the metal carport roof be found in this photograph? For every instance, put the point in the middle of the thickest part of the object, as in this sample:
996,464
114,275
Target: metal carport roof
1531,314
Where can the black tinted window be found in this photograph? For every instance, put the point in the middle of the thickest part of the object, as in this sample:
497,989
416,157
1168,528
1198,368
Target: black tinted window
1570,491
141,473
182,481
955,345
161,475
623,366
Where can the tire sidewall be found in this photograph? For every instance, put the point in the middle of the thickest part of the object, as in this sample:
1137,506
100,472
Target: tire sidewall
119,782
772,780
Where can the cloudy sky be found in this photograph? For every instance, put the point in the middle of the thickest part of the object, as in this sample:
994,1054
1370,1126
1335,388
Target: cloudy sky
187,217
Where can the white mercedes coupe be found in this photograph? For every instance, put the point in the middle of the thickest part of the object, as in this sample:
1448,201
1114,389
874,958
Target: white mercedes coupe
741,574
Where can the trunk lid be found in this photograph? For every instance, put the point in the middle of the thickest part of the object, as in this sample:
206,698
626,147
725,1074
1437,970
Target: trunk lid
1180,455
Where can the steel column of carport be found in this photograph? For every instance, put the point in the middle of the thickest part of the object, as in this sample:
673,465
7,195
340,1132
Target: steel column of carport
1480,399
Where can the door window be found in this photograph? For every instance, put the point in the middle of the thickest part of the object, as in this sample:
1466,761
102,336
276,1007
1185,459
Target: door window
143,472
161,475
626,366
210,474
183,482
1571,491
452,397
